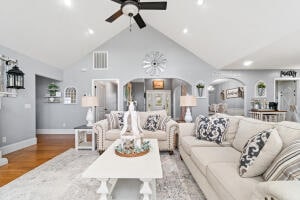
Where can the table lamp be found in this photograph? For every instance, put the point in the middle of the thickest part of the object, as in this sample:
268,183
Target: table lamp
90,102
188,101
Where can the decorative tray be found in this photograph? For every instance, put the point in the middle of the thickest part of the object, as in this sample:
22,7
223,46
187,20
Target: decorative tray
132,151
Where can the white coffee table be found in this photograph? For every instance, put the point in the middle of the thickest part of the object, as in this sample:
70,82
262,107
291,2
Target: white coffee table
109,168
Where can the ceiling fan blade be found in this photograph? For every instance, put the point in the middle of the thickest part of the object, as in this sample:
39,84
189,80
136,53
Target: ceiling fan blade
119,1
114,16
139,20
153,5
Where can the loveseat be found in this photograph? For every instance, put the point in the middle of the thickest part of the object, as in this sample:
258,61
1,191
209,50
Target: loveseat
106,136
215,167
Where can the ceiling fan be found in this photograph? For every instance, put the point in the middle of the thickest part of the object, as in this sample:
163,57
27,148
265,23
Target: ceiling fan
132,8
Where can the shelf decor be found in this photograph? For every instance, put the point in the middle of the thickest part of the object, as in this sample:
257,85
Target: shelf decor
52,89
260,89
15,78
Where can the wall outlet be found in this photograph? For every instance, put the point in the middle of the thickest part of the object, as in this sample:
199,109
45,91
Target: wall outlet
3,139
64,124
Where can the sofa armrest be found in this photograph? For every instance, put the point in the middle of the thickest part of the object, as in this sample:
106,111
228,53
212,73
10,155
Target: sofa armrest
186,129
100,128
171,129
277,190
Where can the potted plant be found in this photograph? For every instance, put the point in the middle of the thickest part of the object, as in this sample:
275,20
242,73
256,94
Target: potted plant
261,86
200,87
52,88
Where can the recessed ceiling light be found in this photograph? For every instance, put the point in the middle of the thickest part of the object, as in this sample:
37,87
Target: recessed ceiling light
248,63
91,31
200,2
185,30
68,3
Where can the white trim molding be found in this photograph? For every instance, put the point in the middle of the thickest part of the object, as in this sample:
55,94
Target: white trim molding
54,131
18,145
3,161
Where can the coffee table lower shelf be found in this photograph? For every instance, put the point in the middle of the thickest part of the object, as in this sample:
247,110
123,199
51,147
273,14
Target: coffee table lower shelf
147,190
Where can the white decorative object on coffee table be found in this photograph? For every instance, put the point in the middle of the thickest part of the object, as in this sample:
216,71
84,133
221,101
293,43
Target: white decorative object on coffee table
110,167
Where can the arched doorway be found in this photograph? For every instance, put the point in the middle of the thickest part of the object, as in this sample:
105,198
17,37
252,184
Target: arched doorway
156,94
227,95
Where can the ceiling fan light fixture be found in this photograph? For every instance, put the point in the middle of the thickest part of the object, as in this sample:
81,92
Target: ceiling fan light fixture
130,9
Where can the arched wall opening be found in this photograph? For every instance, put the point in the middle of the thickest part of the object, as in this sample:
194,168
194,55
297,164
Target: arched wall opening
227,95
151,94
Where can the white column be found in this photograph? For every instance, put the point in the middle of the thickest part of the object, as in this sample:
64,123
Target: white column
103,190
146,190
3,161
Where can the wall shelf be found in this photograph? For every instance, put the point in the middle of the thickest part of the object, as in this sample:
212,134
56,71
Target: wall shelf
52,99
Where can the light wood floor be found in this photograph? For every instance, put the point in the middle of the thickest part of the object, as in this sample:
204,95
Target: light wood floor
22,161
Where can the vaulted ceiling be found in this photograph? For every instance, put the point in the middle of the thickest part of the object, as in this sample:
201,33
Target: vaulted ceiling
222,33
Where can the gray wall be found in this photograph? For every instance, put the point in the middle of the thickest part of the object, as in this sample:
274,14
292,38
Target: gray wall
43,108
18,123
126,53
138,94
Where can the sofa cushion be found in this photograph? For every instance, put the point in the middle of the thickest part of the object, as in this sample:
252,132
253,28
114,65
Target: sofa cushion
212,128
203,156
232,127
286,166
187,142
158,134
144,115
224,178
248,128
288,131
259,152
112,134
112,121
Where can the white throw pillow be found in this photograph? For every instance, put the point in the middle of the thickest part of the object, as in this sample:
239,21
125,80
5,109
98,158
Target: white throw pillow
248,128
259,152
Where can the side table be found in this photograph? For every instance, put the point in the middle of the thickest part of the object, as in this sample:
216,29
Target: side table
81,140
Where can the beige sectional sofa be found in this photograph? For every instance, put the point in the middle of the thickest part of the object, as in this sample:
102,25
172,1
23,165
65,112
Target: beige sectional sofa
215,167
106,137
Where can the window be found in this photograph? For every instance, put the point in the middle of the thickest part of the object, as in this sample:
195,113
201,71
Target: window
70,95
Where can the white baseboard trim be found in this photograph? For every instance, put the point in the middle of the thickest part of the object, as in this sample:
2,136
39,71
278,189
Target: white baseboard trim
3,161
18,145
54,131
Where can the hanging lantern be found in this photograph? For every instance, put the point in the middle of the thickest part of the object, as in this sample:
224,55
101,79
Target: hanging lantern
15,78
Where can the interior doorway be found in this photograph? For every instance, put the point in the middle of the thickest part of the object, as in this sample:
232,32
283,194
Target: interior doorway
107,94
288,98
157,94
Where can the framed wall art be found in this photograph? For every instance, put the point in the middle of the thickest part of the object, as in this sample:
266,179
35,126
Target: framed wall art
158,84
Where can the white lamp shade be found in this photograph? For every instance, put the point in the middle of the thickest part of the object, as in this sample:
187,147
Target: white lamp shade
188,101
89,101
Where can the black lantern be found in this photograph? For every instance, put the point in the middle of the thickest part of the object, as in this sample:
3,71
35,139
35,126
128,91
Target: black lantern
15,78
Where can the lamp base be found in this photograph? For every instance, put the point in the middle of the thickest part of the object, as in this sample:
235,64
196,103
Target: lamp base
90,118
188,116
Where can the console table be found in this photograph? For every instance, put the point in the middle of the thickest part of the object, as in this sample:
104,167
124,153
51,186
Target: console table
81,140
268,115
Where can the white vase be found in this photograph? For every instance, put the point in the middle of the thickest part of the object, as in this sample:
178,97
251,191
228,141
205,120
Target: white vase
51,99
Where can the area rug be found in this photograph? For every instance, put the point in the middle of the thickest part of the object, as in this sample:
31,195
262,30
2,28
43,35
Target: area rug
60,179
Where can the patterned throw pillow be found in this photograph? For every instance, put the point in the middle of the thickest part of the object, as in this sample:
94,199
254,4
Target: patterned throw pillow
120,117
152,123
286,166
211,129
163,123
259,152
